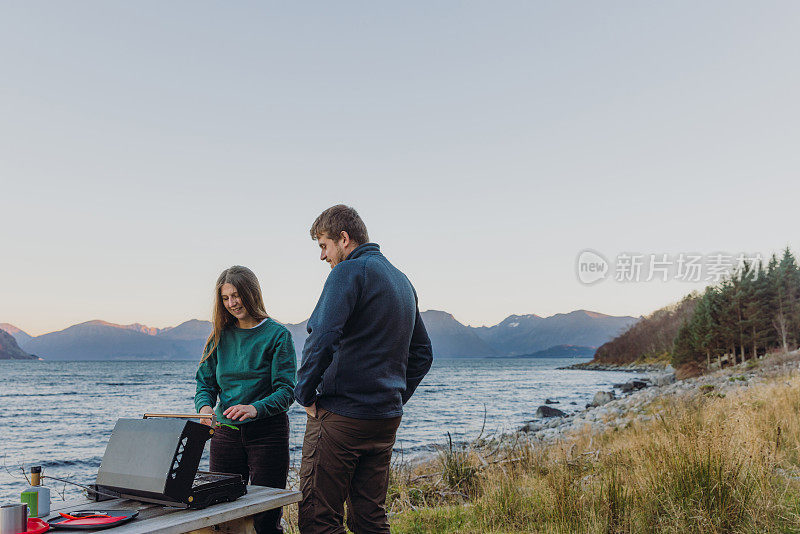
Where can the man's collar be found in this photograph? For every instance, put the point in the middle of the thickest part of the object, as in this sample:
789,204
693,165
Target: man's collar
363,249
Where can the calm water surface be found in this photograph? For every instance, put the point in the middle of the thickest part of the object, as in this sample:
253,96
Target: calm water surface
60,414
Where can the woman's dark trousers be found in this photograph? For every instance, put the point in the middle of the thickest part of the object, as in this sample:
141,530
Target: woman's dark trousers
259,451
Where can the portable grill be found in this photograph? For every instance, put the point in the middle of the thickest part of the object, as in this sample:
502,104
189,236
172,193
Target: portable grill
155,459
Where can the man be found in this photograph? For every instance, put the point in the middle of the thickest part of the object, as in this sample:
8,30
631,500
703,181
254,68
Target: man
366,353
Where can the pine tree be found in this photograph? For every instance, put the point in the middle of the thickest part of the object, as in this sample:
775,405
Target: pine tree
783,290
727,318
791,283
757,311
701,326
684,347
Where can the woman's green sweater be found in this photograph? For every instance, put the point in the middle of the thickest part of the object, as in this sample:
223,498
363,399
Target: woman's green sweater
249,366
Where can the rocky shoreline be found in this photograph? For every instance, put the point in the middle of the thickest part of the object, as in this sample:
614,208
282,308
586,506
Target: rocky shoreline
656,367
636,400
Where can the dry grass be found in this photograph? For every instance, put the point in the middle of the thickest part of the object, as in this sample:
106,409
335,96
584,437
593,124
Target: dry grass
705,464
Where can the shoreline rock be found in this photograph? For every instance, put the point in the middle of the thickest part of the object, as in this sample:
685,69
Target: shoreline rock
546,411
602,397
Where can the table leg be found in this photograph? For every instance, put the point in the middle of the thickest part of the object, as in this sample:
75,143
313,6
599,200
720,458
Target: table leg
237,526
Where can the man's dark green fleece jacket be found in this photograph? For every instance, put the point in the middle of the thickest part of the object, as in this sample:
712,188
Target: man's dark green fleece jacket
367,349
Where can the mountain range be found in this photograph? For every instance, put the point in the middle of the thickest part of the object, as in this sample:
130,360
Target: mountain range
523,334
517,335
9,349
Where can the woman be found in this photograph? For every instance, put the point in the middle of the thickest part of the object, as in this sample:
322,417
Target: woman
249,363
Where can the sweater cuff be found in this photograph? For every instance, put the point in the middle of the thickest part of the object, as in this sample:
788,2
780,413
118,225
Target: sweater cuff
261,408
202,400
305,403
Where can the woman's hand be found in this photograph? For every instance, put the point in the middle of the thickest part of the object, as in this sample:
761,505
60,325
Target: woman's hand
240,412
207,410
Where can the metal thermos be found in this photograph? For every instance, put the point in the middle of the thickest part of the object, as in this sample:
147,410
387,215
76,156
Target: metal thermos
13,518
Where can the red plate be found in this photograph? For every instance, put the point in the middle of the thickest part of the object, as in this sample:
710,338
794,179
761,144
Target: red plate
36,526
73,521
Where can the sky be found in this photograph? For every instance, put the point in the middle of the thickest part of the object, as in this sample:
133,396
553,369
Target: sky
146,146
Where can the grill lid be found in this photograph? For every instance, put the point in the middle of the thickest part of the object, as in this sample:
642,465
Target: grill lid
156,459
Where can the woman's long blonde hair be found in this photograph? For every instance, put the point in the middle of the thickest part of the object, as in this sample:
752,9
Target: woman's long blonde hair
246,284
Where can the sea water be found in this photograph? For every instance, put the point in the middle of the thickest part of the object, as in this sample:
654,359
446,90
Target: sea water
60,414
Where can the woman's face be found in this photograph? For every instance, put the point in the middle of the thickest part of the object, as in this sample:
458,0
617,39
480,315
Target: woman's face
232,302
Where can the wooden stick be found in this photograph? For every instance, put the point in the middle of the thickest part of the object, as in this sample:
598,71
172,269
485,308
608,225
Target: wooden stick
180,416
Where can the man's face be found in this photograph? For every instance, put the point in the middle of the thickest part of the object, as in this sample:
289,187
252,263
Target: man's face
331,251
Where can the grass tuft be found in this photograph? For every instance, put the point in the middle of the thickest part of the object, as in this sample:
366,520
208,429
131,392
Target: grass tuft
458,472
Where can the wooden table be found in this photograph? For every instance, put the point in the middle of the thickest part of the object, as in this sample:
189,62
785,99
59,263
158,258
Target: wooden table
228,517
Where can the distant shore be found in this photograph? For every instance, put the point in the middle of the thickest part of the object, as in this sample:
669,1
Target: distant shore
635,367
